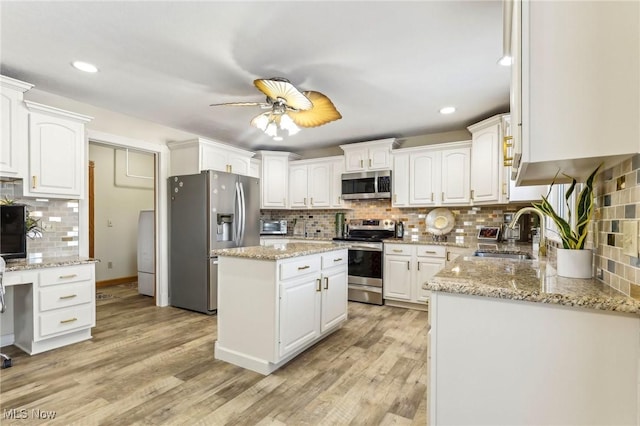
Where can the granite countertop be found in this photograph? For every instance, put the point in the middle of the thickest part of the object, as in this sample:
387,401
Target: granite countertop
46,262
278,251
527,280
425,241
296,237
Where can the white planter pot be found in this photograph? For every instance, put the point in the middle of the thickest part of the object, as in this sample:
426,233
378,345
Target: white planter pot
575,263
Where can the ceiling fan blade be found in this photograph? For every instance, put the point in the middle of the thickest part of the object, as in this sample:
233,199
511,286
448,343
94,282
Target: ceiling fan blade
260,104
323,111
275,89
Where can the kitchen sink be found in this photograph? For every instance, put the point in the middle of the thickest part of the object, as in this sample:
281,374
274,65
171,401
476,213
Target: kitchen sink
502,254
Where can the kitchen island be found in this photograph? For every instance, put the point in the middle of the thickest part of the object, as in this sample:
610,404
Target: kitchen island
513,343
276,301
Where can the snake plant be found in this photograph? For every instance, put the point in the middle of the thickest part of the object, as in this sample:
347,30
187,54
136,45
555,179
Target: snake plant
572,238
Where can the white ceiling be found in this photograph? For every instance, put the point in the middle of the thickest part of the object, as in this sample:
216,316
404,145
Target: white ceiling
387,66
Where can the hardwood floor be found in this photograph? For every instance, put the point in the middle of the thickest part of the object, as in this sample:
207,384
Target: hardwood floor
149,365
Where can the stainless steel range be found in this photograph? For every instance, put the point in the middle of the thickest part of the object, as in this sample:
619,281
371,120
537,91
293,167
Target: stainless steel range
366,258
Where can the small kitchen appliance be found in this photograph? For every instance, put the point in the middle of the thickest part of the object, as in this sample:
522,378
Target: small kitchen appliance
273,227
340,225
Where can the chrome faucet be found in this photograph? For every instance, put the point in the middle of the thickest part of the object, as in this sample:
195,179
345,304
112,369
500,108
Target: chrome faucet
542,250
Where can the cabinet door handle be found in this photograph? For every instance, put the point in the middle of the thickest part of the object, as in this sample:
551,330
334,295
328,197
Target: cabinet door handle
369,162
361,163
326,283
504,188
318,284
338,199
395,198
507,142
70,296
418,266
34,181
408,265
65,277
68,320
432,197
338,259
300,268
442,197
471,194
448,256
311,200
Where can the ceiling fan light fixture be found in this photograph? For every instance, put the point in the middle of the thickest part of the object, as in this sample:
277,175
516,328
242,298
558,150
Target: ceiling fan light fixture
286,123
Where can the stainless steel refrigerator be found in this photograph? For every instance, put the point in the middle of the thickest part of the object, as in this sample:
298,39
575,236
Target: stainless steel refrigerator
207,211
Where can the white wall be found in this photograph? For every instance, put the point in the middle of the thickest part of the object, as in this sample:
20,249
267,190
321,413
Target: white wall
120,205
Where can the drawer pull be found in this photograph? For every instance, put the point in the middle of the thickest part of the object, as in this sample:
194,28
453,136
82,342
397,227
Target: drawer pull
326,283
71,296
448,256
397,250
300,268
68,320
337,260
418,266
65,277
430,252
318,284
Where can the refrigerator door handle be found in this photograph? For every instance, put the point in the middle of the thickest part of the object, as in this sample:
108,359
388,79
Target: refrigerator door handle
243,216
236,218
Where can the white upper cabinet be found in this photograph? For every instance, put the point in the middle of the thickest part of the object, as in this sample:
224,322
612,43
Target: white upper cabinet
432,176
487,168
400,180
274,179
374,155
310,184
425,177
575,86
455,176
336,181
13,140
56,152
193,156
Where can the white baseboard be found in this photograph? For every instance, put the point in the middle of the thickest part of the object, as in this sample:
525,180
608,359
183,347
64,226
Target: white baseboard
7,339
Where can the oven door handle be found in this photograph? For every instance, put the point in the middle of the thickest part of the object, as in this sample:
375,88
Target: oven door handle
364,248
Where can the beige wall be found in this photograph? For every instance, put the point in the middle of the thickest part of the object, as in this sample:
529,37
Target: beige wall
119,200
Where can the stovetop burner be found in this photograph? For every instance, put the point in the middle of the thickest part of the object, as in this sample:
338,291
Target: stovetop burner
369,230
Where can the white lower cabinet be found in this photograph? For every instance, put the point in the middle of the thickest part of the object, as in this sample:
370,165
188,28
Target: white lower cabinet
406,268
294,303
53,307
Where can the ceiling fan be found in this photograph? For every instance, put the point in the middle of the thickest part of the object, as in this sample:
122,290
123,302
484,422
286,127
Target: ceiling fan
289,108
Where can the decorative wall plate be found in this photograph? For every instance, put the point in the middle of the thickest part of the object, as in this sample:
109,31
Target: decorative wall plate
440,221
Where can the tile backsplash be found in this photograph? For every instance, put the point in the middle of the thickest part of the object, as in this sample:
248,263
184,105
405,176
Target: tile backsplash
321,223
59,220
617,195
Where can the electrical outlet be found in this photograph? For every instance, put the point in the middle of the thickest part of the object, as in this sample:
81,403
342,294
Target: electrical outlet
109,223
599,273
109,265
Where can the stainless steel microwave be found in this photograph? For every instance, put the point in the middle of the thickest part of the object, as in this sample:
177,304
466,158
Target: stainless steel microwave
273,227
366,185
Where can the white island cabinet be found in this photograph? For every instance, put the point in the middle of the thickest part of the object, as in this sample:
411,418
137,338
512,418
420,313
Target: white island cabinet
276,301
513,343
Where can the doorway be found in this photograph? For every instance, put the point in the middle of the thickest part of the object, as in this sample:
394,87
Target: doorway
122,184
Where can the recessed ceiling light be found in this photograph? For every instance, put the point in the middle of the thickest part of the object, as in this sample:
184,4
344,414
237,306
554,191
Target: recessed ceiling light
506,61
448,110
84,66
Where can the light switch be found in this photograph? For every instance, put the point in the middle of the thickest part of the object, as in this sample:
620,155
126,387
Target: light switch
630,238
